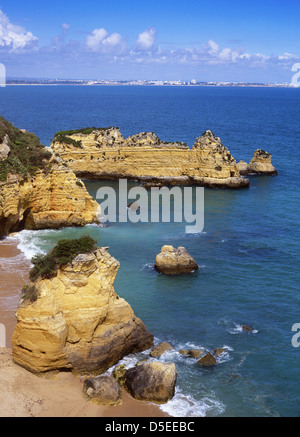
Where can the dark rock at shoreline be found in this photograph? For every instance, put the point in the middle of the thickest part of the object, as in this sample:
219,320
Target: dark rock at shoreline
103,390
160,349
152,382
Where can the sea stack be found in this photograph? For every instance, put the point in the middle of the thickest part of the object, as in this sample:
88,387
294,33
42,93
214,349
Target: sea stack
261,163
171,261
70,317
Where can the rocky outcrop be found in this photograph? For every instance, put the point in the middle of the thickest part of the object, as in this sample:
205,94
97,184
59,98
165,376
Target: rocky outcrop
38,191
242,168
102,390
77,321
171,261
48,200
152,382
208,360
4,148
160,349
106,154
259,164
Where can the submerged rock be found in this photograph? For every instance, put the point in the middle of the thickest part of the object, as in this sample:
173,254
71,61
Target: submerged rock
219,351
247,328
103,390
171,261
153,382
77,321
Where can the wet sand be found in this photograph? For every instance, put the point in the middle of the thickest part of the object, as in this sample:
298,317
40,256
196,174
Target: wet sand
23,394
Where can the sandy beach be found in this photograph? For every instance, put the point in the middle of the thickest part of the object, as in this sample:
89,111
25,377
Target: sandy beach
23,394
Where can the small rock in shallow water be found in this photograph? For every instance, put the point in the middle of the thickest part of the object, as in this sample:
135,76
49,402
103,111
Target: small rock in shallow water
160,349
171,261
219,351
195,353
207,361
247,328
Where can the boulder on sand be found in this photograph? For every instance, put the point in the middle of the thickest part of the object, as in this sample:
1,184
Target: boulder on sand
103,390
152,382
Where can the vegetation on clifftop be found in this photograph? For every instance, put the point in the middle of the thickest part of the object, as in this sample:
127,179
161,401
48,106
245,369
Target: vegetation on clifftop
27,154
45,266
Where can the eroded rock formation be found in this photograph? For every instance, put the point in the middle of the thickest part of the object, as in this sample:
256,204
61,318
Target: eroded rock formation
259,164
48,200
77,321
38,191
175,261
106,154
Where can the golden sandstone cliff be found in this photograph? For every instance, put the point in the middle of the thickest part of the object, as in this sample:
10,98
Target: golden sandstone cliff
38,191
75,320
106,154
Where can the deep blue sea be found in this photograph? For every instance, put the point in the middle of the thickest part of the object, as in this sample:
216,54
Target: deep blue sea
248,252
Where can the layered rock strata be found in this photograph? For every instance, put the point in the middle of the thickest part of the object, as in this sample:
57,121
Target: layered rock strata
106,154
47,200
259,164
77,321
38,191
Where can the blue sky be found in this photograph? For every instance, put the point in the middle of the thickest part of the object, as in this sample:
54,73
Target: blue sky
226,40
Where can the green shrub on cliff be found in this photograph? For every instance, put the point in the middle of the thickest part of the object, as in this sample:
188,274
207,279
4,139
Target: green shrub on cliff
30,293
45,266
84,131
26,155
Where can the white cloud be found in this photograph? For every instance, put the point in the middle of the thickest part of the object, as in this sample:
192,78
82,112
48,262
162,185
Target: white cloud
99,40
113,40
213,47
13,36
65,27
146,39
95,40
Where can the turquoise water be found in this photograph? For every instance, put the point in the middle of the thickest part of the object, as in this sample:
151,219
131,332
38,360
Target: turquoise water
248,252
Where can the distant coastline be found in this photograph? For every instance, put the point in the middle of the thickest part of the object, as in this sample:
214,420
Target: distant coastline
193,83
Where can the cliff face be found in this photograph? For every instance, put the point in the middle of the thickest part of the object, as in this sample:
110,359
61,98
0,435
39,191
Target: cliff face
105,154
77,321
51,199
38,191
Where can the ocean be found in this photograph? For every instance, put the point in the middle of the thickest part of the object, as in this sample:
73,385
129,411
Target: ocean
248,251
